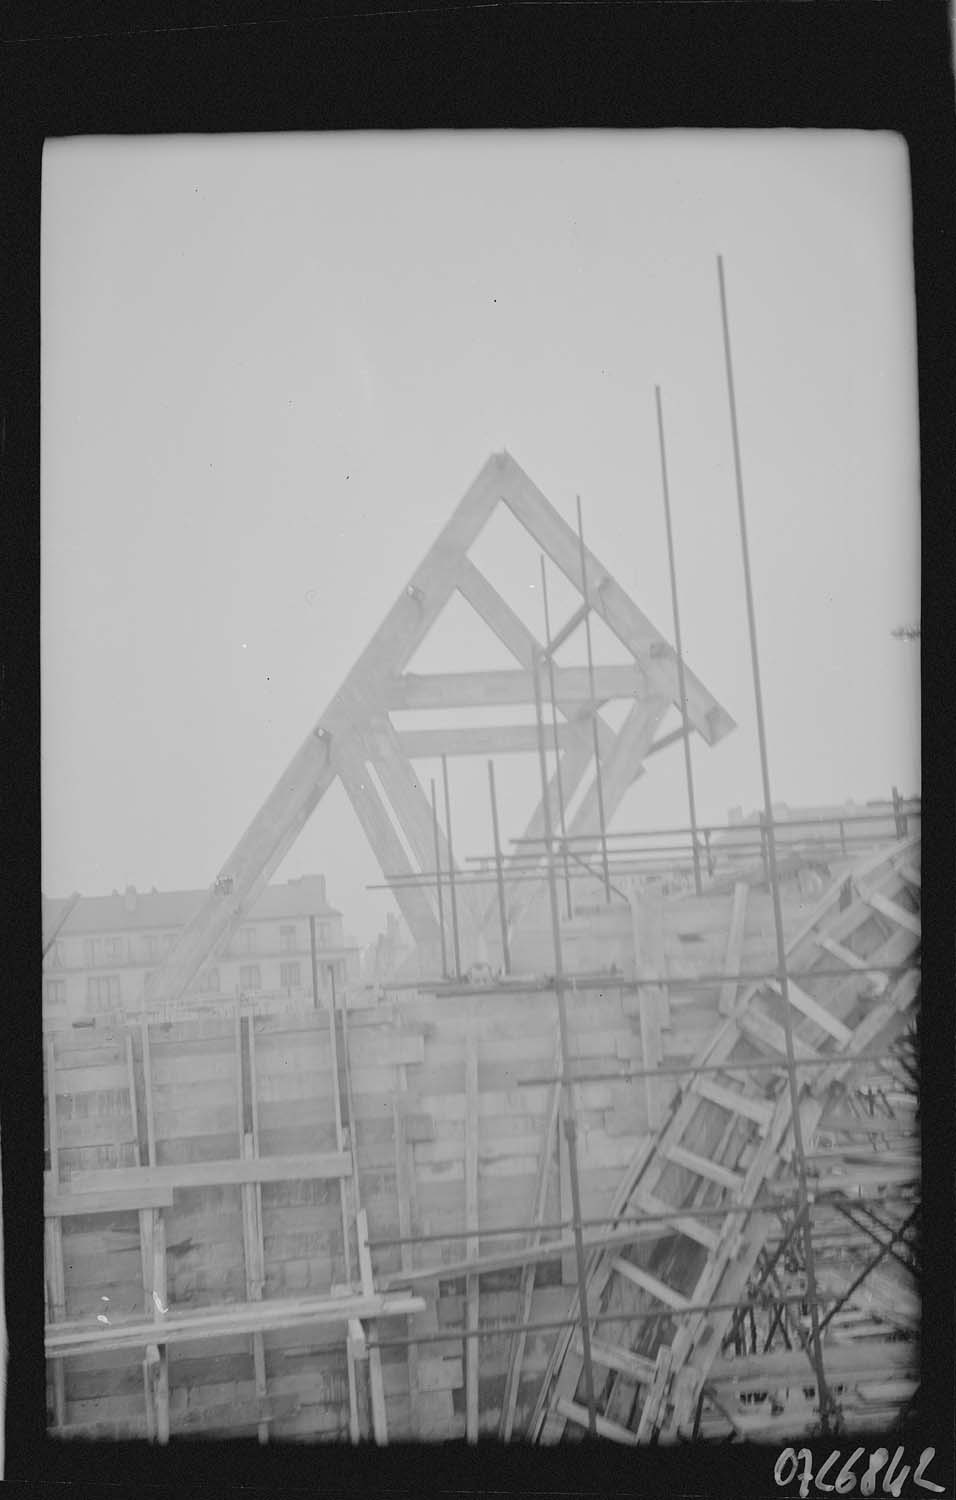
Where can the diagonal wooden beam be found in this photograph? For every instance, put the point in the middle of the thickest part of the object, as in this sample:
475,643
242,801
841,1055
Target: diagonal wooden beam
386,845
622,765
413,810
631,626
497,615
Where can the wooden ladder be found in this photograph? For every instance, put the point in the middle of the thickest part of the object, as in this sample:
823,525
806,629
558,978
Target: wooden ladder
728,1134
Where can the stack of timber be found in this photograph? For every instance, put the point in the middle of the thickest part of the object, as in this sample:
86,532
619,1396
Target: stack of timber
288,1224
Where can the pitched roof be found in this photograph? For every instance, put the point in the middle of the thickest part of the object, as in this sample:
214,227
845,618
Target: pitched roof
171,910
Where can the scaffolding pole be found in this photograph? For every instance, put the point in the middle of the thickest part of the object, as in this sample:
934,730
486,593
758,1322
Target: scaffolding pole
827,1405
682,683
451,867
557,749
567,1102
598,775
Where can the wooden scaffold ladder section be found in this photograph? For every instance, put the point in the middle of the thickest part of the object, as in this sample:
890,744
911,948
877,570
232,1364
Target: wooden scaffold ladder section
659,1308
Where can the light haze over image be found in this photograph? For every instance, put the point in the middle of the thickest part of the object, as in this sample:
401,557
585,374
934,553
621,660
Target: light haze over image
272,365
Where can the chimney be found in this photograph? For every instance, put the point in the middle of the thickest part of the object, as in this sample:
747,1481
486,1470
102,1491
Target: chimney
129,900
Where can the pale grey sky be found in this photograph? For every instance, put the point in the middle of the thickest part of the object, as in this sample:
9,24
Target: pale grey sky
272,366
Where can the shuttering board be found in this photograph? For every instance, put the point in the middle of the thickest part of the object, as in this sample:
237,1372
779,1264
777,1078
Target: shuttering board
195,1115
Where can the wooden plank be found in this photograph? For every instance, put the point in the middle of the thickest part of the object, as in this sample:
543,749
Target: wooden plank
484,740
387,846
379,1422
160,1364
610,1357
526,1295
496,613
852,960
814,1011
70,1339
68,1204
685,1223
648,943
758,1110
473,1243
735,947
572,1411
497,689
53,1240
656,1288
895,913
405,1189
200,1174
704,1167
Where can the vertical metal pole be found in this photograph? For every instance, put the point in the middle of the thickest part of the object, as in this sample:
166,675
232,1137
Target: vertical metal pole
502,908
567,1103
557,747
451,868
682,683
315,964
827,1405
441,903
599,779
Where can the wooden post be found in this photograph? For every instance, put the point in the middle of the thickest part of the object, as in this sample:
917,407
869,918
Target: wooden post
148,1086
473,1243
251,1195
157,1355
404,1191
735,947
545,1163
375,1380
56,1300
647,927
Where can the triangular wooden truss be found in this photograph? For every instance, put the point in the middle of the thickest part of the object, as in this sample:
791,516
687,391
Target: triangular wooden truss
356,733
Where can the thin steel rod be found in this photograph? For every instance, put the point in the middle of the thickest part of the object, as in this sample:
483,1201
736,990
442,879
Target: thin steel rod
313,954
592,693
870,1266
586,982
451,867
499,877
437,872
554,1325
567,1102
681,679
819,820
827,1405
557,749
776,1204
757,1065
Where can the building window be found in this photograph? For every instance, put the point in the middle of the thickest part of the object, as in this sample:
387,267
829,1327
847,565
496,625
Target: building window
291,976
170,940
247,940
249,977
54,992
209,982
102,990
154,947
91,952
116,950
287,939
55,956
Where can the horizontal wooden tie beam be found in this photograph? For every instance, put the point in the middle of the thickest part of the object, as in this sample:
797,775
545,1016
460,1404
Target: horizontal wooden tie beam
200,1174
66,1339
490,689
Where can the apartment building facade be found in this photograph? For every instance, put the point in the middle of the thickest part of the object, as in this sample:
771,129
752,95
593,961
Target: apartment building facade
104,951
